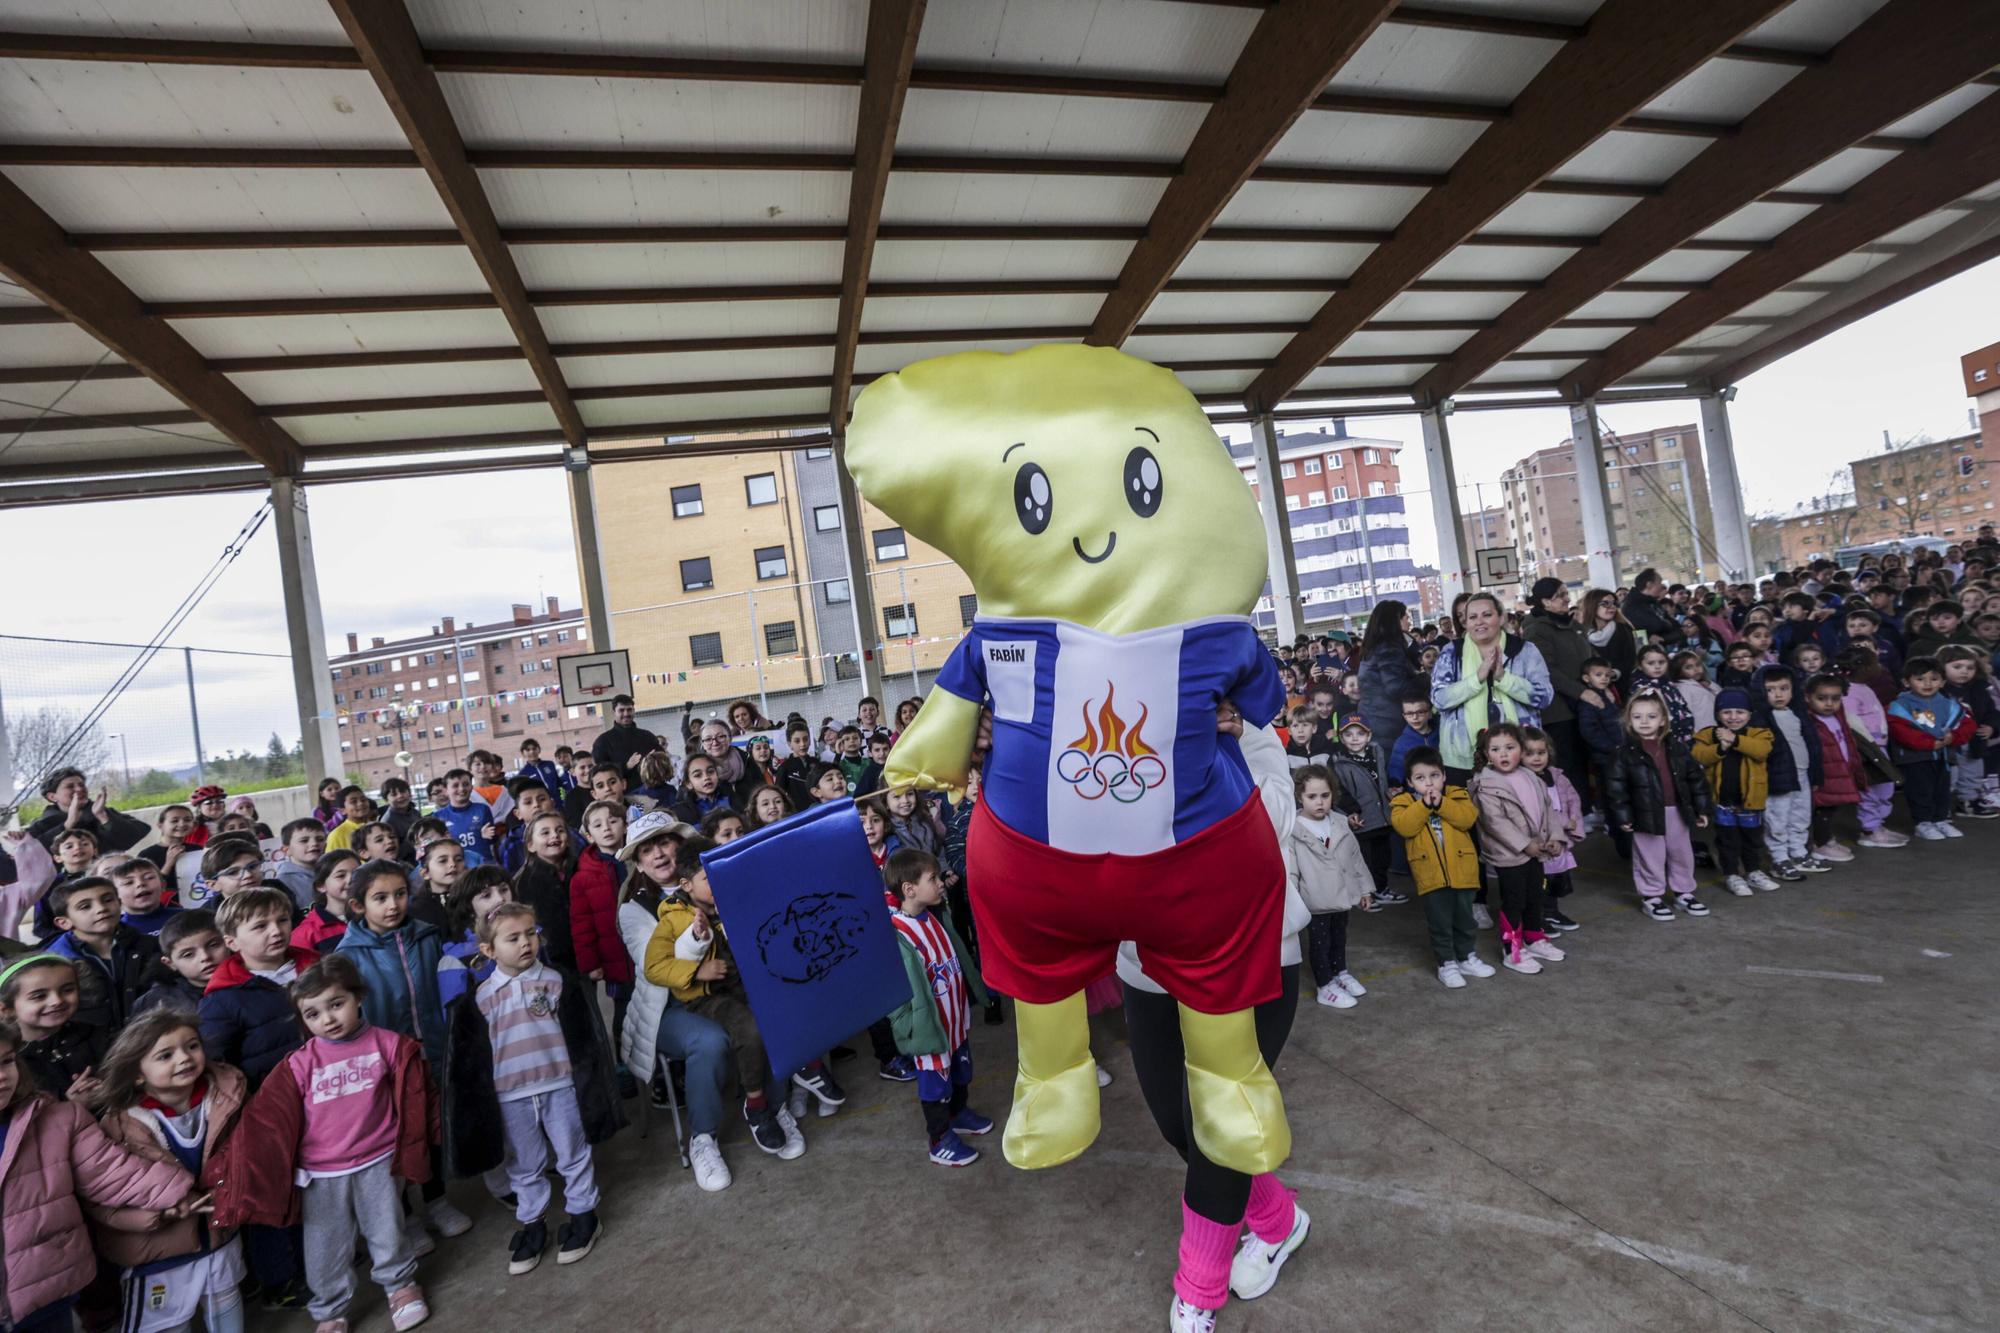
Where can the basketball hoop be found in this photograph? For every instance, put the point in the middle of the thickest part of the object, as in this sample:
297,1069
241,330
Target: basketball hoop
595,691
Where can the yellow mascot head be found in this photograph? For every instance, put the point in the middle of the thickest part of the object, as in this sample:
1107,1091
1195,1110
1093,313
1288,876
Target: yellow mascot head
1070,483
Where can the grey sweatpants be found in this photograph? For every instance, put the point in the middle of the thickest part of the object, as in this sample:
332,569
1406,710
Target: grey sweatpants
533,1125
335,1208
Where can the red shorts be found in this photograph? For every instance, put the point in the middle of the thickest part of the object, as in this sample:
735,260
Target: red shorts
1206,914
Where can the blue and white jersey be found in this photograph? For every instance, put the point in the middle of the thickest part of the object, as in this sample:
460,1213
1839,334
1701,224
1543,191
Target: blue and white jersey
1107,742
464,826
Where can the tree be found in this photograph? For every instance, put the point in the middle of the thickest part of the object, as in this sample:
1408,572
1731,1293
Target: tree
277,762
35,746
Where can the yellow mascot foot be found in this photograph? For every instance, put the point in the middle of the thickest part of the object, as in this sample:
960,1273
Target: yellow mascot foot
1239,1124
1053,1118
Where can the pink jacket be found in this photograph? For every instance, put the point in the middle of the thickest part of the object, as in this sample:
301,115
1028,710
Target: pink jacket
55,1152
1866,714
130,1236
34,871
1569,815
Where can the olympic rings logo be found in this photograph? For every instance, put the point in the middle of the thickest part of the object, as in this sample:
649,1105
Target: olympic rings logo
1111,774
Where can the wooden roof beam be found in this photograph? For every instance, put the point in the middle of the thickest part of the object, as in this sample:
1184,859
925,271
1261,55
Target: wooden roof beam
1634,51
387,43
891,50
1906,55
1296,47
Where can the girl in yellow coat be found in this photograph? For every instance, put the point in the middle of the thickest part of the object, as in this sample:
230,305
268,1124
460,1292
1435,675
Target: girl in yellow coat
1435,821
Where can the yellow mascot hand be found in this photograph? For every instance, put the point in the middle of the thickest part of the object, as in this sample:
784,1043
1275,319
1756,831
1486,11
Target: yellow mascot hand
935,751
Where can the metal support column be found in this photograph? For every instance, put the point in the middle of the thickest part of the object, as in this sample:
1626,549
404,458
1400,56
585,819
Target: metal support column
589,548
1454,561
305,629
1725,486
194,716
1593,496
1285,601
860,589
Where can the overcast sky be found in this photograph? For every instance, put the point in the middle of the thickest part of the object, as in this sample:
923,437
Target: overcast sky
394,557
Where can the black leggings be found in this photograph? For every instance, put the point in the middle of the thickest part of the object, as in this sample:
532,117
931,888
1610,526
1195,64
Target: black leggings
1521,894
1462,777
1374,845
1153,1024
1326,946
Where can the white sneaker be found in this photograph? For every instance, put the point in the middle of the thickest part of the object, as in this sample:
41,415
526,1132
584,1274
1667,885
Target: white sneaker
710,1171
1833,851
1737,885
1449,974
445,1219
1185,1318
1347,983
1760,880
1949,829
1103,1077
1333,997
1546,951
1525,964
1482,918
417,1237
1882,837
796,1100
1475,966
1254,1270
795,1140
1932,832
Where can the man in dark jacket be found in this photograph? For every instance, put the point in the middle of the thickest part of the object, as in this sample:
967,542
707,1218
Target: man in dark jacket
1564,648
1644,609
70,806
624,743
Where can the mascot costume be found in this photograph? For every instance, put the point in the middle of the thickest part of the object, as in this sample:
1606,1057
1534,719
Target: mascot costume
1116,552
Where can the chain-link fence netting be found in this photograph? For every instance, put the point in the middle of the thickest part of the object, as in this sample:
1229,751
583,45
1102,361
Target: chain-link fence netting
185,716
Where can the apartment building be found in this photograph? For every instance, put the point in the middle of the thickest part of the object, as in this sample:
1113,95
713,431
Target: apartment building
1808,533
1659,508
459,688
1930,488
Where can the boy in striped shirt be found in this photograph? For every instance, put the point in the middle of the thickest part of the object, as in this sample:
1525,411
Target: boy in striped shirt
531,1076
934,1028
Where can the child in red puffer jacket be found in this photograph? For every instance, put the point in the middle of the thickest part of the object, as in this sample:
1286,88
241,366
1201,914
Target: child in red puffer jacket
593,908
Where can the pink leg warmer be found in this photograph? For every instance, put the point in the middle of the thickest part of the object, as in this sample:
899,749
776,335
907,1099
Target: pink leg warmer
1269,1215
1206,1249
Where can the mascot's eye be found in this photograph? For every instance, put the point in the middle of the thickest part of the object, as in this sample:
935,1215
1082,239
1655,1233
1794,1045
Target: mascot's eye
1033,500
1142,482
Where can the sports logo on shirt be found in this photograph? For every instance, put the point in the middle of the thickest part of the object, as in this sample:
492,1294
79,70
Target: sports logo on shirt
344,1078
1111,758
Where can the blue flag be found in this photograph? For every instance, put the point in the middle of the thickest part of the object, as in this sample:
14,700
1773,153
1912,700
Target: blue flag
802,903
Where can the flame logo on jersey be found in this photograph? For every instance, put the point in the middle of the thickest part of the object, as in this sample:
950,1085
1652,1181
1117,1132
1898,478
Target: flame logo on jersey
1111,758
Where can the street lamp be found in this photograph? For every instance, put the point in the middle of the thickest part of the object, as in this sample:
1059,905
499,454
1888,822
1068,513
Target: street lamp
125,756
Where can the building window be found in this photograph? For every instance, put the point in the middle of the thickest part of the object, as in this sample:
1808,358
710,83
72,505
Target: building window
771,562
1378,488
534,718
1285,471
471,676
900,622
1316,497
464,653
687,500
968,607
837,592
1340,492
846,668
890,545
562,636
1371,455
527,640
781,637
478,724
1312,467
705,649
430,659
527,667
826,518
336,673
1670,442
696,575
821,452
1335,461
1291,502
761,489
373,668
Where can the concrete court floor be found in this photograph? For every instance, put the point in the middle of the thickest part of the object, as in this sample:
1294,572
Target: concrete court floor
1651,1135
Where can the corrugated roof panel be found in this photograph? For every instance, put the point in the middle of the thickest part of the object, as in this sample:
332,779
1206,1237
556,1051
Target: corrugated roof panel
1338,138
225,275
1285,204
1841,171
1757,222
303,335
1021,125
1418,345
1928,225
1271,259
125,444
617,323
1216,381
1132,38
1478,67
1555,341
1531,372
361,427
1931,119
1812,25
1626,305
586,372
86,397
47,344
69,101
880,358
1559,11
1481,263
1361,377
570,267
219,20
976,312
1688,265
1625,157
1233,307
189,199
616,412
769,29
1559,215
928,261
1847,268
1724,91
1781,303
1447,305
620,198
1206,347
344,383
519,111
983,197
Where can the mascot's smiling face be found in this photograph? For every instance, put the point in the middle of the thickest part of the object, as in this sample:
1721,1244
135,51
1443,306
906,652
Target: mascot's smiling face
1070,483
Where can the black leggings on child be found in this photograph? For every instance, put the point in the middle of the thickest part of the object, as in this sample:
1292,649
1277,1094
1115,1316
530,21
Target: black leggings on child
1521,895
1153,1023
1326,946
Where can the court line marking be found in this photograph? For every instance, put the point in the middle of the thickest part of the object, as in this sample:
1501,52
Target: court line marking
1815,974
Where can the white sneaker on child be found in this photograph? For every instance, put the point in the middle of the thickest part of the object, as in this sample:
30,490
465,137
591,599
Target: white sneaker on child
1254,1270
1523,963
1449,974
1347,983
1760,880
417,1237
1546,951
1185,1318
1103,1077
795,1141
1737,885
1472,965
1949,829
1836,852
1481,918
446,1219
1333,997
1882,837
1932,832
710,1171
796,1100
